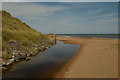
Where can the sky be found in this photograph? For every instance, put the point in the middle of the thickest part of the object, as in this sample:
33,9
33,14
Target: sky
67,17
59,0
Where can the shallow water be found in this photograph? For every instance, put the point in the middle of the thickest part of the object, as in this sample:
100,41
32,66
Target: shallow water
46,64
110,36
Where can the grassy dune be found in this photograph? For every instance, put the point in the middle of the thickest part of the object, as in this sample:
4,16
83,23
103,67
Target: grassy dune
14,29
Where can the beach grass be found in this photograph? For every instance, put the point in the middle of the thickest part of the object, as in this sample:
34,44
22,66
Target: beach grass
14,29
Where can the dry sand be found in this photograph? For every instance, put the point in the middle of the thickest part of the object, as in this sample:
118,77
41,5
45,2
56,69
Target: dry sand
97,58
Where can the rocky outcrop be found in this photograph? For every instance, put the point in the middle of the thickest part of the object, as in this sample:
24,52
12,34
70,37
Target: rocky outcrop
19,51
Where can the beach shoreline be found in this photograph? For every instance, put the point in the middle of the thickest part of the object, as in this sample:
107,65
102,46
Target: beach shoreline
96,58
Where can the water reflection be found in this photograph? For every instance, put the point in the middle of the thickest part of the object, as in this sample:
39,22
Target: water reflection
45,64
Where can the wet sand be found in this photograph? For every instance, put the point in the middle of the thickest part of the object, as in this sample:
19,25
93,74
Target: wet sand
97,58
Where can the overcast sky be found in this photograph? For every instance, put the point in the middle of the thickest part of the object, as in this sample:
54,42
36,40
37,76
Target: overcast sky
67,17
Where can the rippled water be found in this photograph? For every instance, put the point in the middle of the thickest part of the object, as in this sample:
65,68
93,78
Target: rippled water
111,36
46,64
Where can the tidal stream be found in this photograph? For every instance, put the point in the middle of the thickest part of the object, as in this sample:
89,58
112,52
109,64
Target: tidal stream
45,64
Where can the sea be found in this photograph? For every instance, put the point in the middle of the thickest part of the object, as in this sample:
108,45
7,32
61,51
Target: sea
111,36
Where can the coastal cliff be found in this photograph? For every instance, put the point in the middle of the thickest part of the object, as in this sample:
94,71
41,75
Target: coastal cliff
20,41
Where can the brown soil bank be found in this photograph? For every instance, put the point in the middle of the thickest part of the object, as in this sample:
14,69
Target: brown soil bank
97,58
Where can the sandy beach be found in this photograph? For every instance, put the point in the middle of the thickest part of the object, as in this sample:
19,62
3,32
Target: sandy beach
96,58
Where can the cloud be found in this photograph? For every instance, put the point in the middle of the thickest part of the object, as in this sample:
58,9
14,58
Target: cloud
66,17
77,24
28,10
107,20
96,11
109,15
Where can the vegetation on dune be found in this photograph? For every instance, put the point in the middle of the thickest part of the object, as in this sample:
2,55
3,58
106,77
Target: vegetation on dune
14,29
